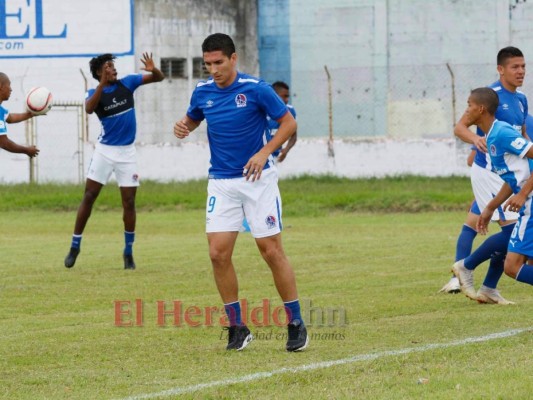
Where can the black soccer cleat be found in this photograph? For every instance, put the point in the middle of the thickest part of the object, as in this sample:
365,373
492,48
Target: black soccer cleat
128,261
239,337
298,339
70,259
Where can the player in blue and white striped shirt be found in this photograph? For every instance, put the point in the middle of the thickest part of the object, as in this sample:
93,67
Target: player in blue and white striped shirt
243,180
512,108
512,158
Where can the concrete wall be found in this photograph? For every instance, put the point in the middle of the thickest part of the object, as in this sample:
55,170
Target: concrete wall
393,103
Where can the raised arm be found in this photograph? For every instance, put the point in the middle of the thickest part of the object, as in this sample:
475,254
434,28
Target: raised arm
149,66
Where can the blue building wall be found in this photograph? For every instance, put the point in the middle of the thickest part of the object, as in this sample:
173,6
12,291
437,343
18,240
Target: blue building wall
273,37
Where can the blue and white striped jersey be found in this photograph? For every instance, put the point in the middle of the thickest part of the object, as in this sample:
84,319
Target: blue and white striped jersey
512,108
507,149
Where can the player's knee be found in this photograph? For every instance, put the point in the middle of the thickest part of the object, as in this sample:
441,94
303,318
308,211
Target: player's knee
511,269
219,257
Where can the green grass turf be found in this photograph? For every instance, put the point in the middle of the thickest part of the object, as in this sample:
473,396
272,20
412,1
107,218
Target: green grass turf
59,339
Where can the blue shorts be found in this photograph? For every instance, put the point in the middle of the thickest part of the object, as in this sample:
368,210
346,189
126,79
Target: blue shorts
521,241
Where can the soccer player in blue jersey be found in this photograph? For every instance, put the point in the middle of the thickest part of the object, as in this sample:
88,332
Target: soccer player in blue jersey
283,91
512,159
513,109
112,101
242,180
11,118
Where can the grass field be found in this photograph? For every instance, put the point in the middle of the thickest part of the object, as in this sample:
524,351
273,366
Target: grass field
400,339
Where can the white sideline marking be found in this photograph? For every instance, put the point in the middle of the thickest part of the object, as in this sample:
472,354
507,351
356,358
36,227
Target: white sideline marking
327,364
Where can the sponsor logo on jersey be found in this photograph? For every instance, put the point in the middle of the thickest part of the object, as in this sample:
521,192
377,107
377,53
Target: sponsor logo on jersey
209,103
500,171
115,104
492,150
270,221
240,100
518,128
505,106
518,143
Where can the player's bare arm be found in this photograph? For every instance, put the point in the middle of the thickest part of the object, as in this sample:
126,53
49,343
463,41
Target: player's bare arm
462,131
290,144
253,168
184,127
13,118
8,145
517,201
484,219
149,66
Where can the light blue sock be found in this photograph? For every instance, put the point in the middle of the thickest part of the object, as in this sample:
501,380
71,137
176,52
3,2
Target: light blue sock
129,238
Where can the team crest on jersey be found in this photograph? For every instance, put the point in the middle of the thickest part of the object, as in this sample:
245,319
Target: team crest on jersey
240,100
492,150
270,221
2,125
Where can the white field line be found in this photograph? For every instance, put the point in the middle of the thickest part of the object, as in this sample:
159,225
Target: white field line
328,364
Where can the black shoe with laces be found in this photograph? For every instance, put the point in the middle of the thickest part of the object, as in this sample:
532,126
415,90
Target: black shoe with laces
238,337
128,261
70,259
298,339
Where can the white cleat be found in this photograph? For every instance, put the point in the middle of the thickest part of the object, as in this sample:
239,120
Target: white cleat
453,286
466,279
491,296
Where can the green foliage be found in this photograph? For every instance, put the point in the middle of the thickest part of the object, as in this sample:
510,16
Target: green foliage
307,195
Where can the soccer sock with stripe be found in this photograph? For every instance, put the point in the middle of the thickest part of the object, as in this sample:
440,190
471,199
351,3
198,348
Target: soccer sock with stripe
76,241
233,311
129,238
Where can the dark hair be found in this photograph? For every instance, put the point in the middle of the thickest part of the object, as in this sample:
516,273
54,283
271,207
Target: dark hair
97,62
219,42
486,97
280,85
506,53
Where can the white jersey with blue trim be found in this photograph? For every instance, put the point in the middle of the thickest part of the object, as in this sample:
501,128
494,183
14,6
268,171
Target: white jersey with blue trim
512,108
507,149
116,111
236,121
3,123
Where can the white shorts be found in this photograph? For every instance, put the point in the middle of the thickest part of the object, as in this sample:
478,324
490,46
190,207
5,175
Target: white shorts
486,184
230,200
122,160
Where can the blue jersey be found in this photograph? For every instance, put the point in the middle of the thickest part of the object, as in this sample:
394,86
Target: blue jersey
512,108
116,111
3,124
274,125
236,121
507,150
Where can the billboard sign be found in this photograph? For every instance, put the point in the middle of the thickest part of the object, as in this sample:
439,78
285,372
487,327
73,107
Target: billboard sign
59,28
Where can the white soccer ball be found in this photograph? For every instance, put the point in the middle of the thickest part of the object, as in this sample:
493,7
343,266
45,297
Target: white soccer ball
39,100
